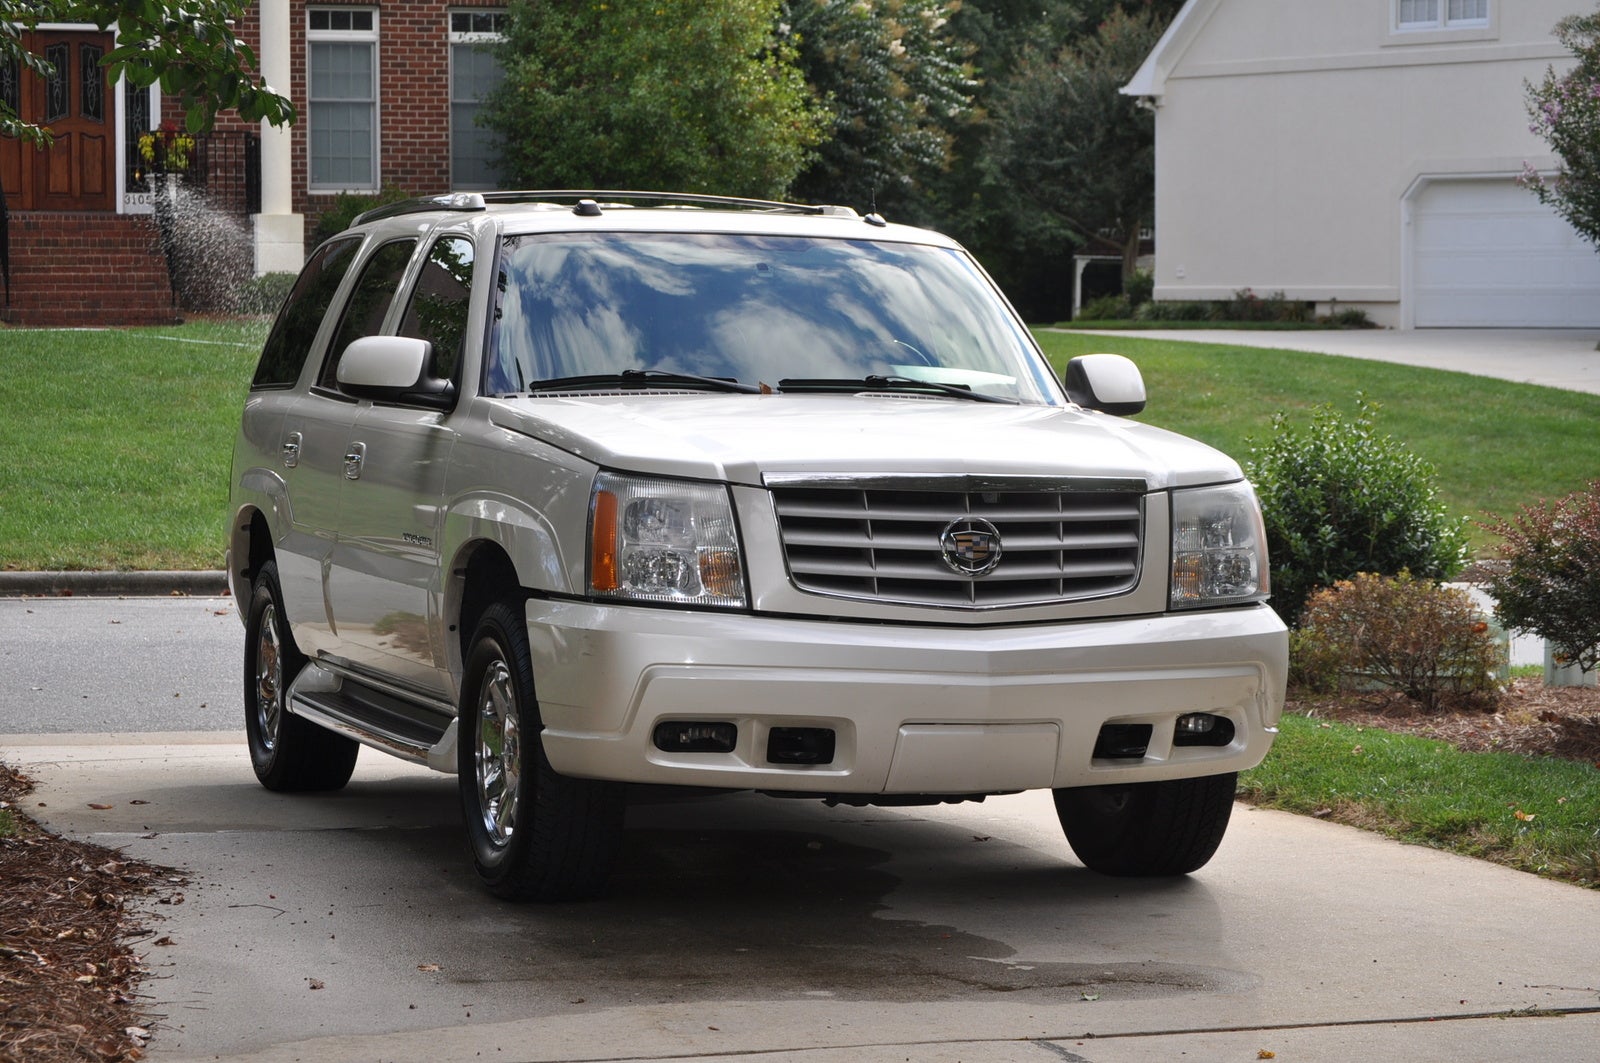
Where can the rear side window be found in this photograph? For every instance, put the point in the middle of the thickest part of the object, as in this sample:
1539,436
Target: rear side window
369,302
292,334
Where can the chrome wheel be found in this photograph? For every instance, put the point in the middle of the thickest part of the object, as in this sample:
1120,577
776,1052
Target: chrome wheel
269,679
499,754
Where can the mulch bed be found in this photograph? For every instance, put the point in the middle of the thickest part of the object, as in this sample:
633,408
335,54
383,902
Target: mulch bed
1529,718
68,973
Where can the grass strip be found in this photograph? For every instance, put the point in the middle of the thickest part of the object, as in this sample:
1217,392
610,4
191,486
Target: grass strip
1535,814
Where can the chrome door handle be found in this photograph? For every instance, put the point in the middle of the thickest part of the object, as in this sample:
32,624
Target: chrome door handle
353,459
291,450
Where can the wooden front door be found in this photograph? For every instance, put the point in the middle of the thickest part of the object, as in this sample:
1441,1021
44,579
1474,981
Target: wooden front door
77,171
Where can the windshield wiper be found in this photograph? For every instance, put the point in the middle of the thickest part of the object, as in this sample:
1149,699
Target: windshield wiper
644,378
889,383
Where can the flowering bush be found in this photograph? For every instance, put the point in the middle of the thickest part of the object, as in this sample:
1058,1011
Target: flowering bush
1550,585
1405,634
1565,110
1339,499
166,148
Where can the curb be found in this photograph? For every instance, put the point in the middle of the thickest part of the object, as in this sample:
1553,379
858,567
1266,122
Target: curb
113,584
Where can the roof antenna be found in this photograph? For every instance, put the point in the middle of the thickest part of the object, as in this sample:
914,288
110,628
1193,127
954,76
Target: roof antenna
873,217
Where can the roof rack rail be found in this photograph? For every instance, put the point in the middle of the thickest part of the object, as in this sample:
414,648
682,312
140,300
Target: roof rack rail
465,201
694,199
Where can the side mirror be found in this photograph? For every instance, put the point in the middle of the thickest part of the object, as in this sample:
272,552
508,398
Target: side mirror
395,368
1106,382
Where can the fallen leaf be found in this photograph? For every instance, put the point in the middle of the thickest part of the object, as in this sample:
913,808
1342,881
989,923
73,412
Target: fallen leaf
316,983
166,940
1356,751
138,801
1526,817
1266,1054
99,807
1091,996
429,967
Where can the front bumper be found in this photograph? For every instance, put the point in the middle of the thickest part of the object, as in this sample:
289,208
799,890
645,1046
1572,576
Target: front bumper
915,709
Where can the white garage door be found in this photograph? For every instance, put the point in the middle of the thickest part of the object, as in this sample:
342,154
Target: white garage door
1486,253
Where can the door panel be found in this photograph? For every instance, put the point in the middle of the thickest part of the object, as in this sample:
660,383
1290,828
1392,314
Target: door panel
384,579
74,173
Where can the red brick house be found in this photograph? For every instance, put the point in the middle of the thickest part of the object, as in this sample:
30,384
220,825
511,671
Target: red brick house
386,94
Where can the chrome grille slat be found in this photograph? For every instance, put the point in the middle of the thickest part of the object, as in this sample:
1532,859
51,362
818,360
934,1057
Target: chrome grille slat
882,541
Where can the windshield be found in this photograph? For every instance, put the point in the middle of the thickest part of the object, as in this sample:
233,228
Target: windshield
756,309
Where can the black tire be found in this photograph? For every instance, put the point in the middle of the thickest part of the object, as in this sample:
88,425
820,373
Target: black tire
289,753
1147,829
535,834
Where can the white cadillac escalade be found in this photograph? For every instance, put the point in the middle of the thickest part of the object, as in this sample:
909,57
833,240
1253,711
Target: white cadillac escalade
565,491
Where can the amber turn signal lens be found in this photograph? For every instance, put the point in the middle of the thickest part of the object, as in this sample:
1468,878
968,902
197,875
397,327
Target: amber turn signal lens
603,544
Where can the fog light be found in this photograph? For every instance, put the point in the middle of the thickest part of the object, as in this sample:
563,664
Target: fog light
683,736
1202,729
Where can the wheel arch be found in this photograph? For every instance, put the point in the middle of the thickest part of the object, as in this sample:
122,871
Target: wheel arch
249,547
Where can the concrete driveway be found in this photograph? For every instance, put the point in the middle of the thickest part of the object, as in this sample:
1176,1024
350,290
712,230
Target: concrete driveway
349,926
1557,358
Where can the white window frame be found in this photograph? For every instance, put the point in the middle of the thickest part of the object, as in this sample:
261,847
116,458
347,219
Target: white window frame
456,37
1441,19
352,36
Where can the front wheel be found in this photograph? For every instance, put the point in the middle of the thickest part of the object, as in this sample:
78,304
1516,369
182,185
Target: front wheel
1147,829
287,752
535,834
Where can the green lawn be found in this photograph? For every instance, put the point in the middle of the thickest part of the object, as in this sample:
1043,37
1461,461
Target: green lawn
1430,793
1496,445
118,442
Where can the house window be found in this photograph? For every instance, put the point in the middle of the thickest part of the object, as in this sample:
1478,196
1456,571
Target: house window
342,97
474,72
1441,14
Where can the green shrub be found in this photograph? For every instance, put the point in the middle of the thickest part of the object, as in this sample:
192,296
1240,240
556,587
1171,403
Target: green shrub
1140,288
1551,581
1399,633
344,208
1106,308
1338,500
263,294
1349,317
1173,310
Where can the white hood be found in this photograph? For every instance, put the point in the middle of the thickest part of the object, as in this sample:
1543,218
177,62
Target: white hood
739,438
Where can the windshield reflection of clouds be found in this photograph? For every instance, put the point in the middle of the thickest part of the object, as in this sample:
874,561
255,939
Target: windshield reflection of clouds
752,308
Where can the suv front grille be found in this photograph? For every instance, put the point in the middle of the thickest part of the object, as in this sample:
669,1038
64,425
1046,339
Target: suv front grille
885,540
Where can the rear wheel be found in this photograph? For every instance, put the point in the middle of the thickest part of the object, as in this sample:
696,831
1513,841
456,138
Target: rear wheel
535,834
287,752
1153,828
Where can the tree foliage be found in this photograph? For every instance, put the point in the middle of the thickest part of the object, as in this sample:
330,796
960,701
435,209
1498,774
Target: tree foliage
188,47
896,83
1067,141
1565,110
673,94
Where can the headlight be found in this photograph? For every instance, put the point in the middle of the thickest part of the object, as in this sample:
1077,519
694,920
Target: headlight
1219,547
658,540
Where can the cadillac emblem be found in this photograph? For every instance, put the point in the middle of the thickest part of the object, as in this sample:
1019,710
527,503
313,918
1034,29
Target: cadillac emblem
970,546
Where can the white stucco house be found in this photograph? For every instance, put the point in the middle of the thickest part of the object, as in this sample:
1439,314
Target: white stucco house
1363,153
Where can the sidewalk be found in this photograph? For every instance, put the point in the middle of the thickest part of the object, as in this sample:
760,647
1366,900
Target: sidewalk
1557,358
